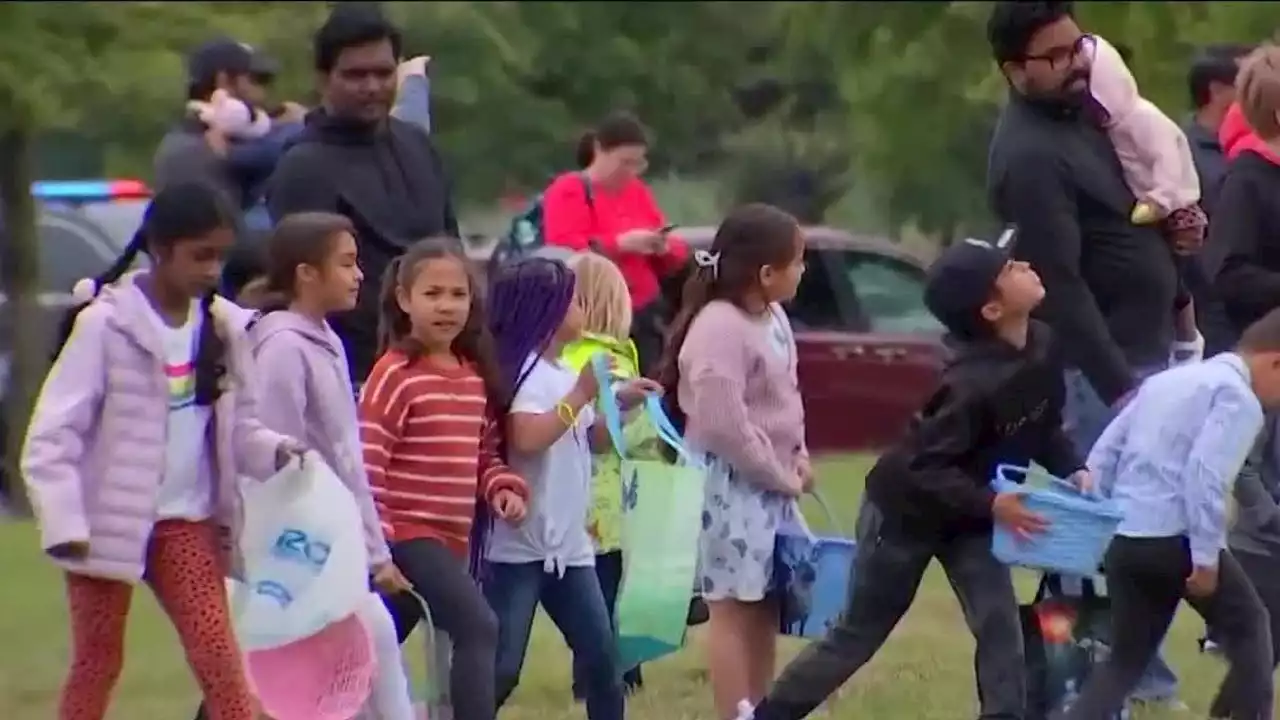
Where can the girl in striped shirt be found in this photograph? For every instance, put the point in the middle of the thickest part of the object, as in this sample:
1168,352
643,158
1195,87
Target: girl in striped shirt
431,448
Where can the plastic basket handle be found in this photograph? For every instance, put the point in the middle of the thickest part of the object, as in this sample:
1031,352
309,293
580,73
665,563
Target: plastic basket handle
1002,483
826,512
435,691
609,404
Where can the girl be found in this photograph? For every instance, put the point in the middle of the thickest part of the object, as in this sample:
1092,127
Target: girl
550,429
312,271
431,450
732,361
602,293
1160,171
132,457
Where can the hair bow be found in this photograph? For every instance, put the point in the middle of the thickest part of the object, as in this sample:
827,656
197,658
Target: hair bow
706,259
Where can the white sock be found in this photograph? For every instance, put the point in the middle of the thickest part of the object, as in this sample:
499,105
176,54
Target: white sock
389,699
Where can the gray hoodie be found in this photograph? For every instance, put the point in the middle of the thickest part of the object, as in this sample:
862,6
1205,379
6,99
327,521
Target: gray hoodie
1257,526
304,386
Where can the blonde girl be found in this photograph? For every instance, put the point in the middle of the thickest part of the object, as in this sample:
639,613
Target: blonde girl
601,292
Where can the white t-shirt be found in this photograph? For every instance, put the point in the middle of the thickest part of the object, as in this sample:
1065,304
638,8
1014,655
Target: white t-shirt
186,490
554,531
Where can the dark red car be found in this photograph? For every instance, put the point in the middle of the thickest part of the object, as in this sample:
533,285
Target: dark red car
869,351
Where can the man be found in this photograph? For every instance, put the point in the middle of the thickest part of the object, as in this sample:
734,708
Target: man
353,158
1211,81
190,151
1053,172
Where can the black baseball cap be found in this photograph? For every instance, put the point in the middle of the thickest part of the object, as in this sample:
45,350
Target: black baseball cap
962,279
225,55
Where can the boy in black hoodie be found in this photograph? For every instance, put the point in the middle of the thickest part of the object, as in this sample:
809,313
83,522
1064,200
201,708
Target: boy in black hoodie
1000,401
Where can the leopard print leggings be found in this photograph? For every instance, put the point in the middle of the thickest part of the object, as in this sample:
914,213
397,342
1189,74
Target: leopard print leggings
184,571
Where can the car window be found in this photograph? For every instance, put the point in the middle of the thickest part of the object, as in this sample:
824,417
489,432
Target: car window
118,219
815,306
890,293
69,250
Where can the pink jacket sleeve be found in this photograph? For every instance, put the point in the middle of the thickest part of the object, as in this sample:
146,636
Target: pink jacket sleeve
254,443
64,418
1153,151
713,367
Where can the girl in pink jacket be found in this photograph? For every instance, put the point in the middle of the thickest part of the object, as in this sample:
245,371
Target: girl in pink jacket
132,457
1157,164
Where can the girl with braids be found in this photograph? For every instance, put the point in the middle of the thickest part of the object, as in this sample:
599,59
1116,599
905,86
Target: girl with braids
312,271
132,459
732,364
428,421
551,429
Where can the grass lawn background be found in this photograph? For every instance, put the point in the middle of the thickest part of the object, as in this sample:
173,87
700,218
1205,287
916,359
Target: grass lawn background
923,673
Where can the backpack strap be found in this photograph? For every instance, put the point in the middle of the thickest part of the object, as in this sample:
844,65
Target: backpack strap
593,244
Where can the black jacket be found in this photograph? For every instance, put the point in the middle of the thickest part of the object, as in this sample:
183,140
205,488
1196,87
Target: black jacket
1245,228
389,180
996,404
1054,173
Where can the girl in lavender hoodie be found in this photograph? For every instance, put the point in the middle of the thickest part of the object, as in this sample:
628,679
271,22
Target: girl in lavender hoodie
305,391
134,449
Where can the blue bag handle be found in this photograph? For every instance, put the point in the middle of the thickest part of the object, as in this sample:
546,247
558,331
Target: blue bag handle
653,408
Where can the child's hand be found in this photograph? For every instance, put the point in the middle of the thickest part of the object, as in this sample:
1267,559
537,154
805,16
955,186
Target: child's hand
1083,480
1203,582
587,386
287,450
389,580
74,550
1008,510
805,471
633,392
508,506
413,66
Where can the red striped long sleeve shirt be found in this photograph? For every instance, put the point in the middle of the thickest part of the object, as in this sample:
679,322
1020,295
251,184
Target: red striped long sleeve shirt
430,448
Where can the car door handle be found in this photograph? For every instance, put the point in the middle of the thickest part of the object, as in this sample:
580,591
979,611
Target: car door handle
844,352
890,354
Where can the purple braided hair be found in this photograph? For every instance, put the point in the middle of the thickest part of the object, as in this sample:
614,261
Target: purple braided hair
527,302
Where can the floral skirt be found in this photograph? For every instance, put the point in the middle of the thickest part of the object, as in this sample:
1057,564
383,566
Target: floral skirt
739,527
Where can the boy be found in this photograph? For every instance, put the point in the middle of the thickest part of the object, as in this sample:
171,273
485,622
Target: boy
1169,458
1000,401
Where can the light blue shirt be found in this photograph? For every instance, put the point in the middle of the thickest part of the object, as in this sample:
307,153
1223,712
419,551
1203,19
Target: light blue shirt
1172,454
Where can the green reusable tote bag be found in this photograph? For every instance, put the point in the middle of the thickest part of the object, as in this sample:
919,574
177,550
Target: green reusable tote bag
661,520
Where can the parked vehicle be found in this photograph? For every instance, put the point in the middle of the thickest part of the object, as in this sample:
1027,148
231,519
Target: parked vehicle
869,351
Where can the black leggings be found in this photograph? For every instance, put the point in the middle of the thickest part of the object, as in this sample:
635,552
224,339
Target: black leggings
457,608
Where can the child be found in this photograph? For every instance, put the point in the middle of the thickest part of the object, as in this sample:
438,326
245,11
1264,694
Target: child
431,448
732,362
1169,458
1157,164
235,118
606,309
142,428
1000,401
312,271
551,428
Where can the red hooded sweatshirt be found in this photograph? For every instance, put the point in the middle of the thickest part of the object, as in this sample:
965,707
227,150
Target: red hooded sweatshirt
570,221
1236,136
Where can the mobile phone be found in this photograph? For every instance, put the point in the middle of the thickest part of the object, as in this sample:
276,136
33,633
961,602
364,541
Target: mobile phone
666,229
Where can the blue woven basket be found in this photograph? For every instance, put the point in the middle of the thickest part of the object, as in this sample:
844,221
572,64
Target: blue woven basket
1080,527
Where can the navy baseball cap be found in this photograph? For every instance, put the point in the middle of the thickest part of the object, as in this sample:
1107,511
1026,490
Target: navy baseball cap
225,55
962,279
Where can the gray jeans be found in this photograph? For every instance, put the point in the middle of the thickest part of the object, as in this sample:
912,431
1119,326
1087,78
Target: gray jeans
887,572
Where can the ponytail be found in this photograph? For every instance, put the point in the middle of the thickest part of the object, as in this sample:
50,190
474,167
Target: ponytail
210,361
698,291
585,152
86,289
394,327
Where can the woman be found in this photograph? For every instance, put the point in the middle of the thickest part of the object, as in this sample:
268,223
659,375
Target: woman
607,208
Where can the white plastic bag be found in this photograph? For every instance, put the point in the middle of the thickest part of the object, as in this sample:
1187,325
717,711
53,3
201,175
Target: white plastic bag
305,563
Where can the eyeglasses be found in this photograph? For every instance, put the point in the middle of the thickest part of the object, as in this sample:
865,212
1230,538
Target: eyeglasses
1063,55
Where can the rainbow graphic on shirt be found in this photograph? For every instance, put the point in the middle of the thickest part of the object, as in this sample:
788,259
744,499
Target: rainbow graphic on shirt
182,385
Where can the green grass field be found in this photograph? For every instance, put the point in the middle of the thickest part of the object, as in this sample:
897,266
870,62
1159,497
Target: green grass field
923,673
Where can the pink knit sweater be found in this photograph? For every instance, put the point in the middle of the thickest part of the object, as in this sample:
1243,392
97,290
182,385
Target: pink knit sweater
738,388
